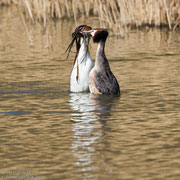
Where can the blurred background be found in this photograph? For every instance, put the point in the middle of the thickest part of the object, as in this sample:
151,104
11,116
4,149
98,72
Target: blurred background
117,15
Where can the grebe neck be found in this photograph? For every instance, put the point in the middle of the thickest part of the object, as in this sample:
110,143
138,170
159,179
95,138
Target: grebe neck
101,60
83,51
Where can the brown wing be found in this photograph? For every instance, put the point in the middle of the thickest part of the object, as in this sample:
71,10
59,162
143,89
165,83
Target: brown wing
106,83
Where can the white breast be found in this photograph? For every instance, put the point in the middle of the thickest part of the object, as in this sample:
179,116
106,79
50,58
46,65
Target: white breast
85,64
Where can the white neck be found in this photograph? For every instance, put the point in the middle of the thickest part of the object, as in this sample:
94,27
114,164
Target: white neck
83,51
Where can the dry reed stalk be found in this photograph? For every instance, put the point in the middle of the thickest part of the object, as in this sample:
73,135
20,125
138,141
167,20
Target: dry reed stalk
167,14
27,4
27,31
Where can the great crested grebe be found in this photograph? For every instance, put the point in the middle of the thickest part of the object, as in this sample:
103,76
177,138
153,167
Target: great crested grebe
101,79
83,64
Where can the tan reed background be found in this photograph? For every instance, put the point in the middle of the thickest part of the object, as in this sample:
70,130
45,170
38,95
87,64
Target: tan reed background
117,15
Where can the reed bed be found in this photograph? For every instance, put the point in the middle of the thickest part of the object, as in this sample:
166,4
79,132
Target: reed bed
117,15
139,13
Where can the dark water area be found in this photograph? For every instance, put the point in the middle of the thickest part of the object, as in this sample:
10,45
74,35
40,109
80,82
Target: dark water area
46,132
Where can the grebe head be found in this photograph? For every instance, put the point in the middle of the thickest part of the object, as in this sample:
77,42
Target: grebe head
77,35
78,31
99,34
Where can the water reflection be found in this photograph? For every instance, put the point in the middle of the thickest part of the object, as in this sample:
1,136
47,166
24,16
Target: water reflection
84,126
88,127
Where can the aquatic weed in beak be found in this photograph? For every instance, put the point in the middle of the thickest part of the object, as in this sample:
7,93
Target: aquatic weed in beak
76,38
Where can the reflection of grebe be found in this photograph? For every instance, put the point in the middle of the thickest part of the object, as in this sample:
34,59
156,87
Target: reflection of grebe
86,130
102,80
81,102
90,115
79,79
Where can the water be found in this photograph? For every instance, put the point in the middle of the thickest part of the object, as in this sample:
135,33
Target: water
46,132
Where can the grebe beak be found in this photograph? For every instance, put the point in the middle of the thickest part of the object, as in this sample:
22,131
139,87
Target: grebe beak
92,32
89,33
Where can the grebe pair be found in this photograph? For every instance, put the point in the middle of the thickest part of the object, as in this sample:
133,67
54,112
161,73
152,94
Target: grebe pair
98,79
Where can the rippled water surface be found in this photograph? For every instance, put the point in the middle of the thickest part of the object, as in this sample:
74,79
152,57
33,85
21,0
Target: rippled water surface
46,132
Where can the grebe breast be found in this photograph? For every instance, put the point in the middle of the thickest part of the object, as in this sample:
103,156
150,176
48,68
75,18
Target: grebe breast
79,79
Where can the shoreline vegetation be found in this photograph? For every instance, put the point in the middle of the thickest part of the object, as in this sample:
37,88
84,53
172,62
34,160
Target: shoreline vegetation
116,15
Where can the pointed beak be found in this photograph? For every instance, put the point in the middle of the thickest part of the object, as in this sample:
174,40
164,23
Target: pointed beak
89,33
92,32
